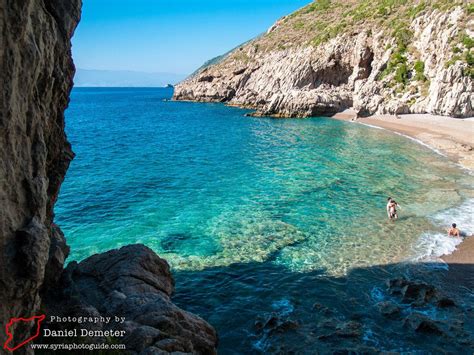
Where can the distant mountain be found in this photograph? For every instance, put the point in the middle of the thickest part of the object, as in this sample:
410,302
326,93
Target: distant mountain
124,78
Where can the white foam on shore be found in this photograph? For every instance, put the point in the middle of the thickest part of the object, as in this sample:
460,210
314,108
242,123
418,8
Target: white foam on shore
462,215
432,245
404,135
466,169
421,143
372,126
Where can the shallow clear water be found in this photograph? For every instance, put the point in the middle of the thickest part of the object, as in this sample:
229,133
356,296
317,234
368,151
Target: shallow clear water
209,189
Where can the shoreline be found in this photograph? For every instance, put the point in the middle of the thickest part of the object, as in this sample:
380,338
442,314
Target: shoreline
451,137
447,136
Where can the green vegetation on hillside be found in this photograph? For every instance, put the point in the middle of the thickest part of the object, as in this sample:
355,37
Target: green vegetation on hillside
419,70
470,8
329,18
323,20
462,48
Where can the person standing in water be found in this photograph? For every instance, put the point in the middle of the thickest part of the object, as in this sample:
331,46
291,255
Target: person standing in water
392,208
454,231
389,200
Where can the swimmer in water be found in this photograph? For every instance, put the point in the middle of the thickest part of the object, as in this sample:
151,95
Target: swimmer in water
454,231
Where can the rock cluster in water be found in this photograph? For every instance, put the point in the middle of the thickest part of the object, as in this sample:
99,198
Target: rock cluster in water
415,311
366,68
417,297
37,76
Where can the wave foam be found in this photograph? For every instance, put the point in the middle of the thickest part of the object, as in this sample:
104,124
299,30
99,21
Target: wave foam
462,215
420,142
406,136
432,246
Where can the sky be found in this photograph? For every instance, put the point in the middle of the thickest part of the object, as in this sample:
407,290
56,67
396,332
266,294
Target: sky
174,36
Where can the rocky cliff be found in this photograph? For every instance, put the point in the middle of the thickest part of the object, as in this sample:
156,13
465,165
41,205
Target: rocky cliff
37,76
376,57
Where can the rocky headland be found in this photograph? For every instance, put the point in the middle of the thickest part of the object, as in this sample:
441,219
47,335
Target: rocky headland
374,57
37,76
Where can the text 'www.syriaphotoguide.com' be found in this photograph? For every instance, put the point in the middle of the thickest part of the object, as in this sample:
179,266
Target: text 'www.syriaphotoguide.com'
72,347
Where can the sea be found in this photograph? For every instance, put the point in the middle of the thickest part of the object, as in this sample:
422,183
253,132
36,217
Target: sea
263,217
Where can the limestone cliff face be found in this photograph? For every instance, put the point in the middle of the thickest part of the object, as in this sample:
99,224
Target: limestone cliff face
412,57
36,72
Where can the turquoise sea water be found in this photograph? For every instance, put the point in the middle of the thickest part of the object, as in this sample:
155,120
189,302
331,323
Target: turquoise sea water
238,204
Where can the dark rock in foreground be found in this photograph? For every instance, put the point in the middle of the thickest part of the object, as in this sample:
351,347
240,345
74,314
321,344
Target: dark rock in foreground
132,282
36,73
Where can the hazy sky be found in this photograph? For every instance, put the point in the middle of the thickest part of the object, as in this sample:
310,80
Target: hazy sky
169,35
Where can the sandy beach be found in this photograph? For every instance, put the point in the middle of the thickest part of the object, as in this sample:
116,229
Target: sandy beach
450,136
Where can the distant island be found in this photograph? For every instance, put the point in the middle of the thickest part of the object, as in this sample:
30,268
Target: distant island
124,78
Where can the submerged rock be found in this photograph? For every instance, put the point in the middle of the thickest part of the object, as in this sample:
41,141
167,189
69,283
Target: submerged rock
275,323
445,302
134,283
412,292
418,294
389,309
429,312
349,329
323,309
332,329
422,324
